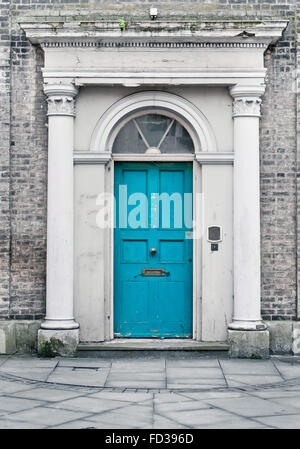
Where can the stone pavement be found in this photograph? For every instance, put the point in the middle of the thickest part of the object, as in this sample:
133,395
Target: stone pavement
160,391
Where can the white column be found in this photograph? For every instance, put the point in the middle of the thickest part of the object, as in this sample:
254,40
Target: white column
246,113
59,300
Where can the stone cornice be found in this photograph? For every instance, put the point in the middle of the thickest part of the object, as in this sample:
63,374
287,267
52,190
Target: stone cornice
193,34
150,44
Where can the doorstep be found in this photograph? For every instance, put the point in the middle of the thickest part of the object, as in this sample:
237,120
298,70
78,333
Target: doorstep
154,344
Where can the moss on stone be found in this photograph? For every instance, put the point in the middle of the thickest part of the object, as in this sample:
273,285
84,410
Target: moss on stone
50,348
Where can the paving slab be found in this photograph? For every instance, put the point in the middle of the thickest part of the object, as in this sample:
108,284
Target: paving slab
165,398
77,376
89,404
212,394
138,365
84,362
144,376
134,416
106,424
46,416
275,394
28,362
135,383
255,367
9,387
289,421
236,422
9,424
191,405
288,370
193,363
195,383
47,394
188,386
3,359
195,373
199,418
30,373
252,407
244,380
77,424
161,422
293,387
122,396
9,404
291,402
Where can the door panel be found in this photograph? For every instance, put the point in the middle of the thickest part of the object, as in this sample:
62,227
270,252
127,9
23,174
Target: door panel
150,213
134,251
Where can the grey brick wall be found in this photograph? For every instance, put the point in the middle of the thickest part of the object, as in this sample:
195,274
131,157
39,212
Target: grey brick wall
297,86
4,157
24,147
278,182
28,183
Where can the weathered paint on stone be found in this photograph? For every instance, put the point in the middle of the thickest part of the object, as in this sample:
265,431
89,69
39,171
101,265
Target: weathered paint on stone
66,341
248,344
26,334
7,337
281,336
296,338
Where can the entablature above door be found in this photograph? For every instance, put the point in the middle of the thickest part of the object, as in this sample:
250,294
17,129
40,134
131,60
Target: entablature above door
154,52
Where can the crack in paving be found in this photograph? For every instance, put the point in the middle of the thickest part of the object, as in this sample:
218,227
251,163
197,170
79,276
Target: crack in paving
277,369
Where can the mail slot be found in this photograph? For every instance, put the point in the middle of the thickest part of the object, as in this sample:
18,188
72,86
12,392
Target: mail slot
153,272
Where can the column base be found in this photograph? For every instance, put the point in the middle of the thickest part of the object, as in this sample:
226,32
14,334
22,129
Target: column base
296,338
7,337
248,343
61,342
59,324
246,325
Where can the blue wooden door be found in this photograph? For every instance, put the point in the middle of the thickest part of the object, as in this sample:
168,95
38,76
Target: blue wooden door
153,250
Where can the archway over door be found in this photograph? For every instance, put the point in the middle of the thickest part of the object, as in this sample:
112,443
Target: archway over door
195,121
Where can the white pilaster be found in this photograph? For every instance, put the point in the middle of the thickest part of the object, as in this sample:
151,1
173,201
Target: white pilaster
59,301
246,113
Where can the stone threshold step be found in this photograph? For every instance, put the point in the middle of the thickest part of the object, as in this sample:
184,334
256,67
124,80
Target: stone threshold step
139,344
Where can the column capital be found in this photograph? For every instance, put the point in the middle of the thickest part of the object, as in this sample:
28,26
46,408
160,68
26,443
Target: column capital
61,98
246,100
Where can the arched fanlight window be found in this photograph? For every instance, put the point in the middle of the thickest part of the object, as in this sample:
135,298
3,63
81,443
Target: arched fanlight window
153,133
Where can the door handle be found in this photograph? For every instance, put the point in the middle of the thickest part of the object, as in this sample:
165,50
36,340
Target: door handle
153,251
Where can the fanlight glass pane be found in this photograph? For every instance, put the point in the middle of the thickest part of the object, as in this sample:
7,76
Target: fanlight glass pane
153,131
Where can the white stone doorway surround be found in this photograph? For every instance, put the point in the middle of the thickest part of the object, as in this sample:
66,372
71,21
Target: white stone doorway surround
228,55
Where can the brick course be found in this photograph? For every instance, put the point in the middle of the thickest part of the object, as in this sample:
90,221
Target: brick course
23,146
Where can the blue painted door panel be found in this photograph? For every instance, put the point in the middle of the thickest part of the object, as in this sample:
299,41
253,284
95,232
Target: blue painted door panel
150,306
